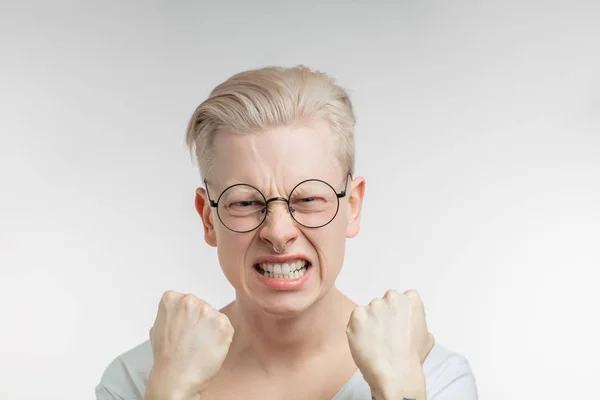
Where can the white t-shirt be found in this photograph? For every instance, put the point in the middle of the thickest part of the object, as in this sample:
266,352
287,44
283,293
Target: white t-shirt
448,376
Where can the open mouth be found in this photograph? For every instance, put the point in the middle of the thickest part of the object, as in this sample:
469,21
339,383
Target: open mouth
288,270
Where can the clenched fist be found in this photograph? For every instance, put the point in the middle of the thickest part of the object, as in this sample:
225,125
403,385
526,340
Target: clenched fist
389,341
190,340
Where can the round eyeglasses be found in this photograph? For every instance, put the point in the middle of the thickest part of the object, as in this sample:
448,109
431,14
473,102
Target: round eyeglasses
312,203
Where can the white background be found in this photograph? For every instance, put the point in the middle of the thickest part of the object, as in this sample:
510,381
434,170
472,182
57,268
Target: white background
478,134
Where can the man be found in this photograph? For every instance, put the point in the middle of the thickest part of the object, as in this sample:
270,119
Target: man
275,147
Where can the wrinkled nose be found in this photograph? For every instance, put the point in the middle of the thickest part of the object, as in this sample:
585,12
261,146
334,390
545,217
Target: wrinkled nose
279,229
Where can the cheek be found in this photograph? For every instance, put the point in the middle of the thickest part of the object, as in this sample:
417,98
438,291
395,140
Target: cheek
231,249
330,243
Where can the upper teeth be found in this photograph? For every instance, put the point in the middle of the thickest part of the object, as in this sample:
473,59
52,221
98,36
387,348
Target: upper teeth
283,268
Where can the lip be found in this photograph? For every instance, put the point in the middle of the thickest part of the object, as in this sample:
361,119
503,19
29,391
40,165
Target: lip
275,259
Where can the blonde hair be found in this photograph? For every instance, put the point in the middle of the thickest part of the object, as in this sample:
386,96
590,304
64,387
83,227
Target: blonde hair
255,100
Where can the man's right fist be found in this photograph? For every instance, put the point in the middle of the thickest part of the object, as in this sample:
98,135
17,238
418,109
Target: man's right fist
190,341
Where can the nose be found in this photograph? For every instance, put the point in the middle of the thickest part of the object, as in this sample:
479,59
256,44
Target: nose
279,229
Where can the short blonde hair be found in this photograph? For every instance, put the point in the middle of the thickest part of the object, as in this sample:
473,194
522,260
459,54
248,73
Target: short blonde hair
255,100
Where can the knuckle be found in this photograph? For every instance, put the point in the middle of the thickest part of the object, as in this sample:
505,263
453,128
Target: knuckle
189,301
392,294
204,308
222,319
415,299
224,325
169,296
353,316
376,303
357,315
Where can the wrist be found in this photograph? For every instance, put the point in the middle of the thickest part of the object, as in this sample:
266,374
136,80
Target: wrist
161,385
404,382
152,394
397,394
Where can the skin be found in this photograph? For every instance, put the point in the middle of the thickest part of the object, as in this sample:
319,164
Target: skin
275,161
279,332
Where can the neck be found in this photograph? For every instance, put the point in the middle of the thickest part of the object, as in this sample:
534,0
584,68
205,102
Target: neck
277,342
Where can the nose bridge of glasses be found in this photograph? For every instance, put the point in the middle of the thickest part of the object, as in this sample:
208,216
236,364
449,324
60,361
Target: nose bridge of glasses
271,212
276,199
272,199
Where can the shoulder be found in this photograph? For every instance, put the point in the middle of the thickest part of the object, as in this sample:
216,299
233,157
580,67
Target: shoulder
448,375
126,376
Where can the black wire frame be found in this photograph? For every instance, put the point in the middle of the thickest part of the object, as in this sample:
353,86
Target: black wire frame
339,195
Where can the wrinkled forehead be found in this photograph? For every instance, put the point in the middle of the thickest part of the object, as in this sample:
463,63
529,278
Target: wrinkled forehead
278,158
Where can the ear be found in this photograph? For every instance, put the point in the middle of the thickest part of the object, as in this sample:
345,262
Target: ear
204,210
356,193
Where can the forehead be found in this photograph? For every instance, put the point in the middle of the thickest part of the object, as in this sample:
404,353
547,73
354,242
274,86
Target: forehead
277,157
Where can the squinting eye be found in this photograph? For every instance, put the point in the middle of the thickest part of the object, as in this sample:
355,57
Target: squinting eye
309,200
244,203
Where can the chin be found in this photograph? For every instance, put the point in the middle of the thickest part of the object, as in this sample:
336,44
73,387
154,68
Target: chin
286,306
281,304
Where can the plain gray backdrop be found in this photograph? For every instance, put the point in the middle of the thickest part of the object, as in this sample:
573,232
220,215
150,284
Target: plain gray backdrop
478,134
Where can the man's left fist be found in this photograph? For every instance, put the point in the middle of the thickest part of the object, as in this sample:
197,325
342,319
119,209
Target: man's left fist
389,341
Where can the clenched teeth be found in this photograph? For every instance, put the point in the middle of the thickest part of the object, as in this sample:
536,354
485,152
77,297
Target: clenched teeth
291,270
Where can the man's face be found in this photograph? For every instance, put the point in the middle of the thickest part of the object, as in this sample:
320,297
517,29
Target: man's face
274,162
